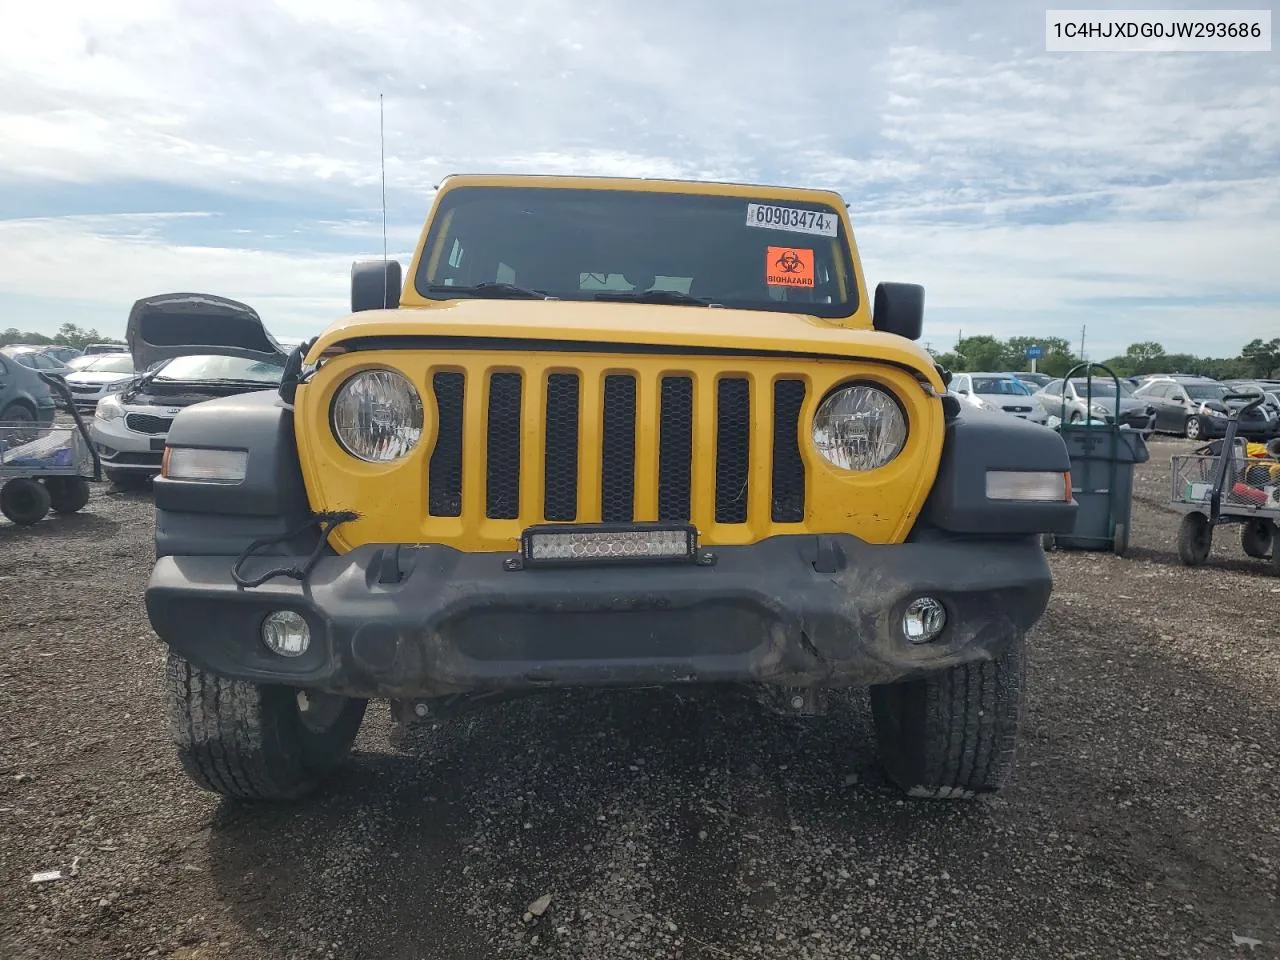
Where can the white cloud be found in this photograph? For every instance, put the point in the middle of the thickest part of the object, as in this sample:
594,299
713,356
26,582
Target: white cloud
1015,184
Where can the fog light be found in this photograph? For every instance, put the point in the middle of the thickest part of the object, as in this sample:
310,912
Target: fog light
286,633
924,619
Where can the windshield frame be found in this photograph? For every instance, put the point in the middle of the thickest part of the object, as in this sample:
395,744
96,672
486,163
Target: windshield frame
846,279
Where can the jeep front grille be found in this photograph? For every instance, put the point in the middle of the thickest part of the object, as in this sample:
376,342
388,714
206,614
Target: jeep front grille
663,447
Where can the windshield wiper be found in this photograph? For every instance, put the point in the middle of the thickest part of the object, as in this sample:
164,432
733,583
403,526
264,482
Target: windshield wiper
491,288
653,296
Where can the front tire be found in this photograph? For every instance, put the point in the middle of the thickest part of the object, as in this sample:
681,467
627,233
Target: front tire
952,735
1192,429
250,741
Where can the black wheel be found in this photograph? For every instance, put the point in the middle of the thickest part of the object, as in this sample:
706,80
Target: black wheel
1256,538
67,494
1192,428
19,424
250,741
952,735
1120,541
126,479
1195,538
24,501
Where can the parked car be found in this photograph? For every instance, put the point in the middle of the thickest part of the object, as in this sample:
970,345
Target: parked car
24,396
36,358
103,374
1033,380
997,391
129,427
1077,399
1197,409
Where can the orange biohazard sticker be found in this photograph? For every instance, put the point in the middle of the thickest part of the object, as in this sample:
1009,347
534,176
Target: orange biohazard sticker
788,267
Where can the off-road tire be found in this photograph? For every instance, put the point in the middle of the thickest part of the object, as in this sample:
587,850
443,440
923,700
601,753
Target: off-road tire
67,494
1257,538
24,501
952,735
1195,539
247,741
126,479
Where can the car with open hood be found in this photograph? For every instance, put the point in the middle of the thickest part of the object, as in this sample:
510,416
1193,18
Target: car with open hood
606,433
131,423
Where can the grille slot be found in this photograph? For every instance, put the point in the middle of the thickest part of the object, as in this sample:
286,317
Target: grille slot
675,449
502,482
733,449
618,450
788,466
444,477
561,457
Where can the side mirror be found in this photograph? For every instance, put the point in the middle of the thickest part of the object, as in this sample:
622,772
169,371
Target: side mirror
375,285
963,391
899,308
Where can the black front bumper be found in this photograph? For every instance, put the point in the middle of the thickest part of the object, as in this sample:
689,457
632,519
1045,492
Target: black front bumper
458,622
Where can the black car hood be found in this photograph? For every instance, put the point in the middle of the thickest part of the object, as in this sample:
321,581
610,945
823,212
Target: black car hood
184,324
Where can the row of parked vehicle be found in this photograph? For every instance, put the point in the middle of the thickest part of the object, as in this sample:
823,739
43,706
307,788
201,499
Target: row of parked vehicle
1182,404
129,398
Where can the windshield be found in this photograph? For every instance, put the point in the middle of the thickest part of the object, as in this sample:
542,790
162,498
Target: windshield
1100,388
109,365
221,368
1207,391
1000,385
588,244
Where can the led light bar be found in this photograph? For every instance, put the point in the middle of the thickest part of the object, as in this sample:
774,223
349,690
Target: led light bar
560,544
1040,486
206,465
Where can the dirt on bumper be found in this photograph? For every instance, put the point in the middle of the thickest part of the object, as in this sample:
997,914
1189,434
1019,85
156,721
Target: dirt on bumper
794,610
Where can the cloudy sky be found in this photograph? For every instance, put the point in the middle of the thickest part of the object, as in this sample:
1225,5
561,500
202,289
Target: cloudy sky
232,147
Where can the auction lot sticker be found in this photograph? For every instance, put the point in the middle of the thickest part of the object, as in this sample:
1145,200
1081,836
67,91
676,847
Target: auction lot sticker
788,267
792,218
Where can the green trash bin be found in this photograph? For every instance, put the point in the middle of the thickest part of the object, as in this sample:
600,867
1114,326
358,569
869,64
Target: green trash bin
1102,455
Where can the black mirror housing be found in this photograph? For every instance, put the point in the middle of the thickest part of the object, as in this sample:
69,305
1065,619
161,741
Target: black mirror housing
375,285
899,308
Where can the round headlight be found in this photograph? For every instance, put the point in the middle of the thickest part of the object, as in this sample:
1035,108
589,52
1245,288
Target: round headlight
859,427
377,416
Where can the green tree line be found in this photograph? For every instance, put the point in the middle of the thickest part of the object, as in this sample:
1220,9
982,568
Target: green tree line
1257,358
68,335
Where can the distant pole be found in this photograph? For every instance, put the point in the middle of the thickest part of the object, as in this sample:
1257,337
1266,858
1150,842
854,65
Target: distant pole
1033,365
382,147
1082,342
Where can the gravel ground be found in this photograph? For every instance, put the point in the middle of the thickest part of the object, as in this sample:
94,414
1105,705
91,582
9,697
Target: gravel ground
1144,820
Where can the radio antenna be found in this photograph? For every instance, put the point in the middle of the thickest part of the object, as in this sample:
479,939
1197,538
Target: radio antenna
382,146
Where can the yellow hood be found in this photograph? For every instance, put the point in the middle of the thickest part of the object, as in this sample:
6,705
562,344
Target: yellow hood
593,325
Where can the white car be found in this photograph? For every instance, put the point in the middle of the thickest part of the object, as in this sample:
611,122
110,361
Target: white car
129,428
997,391
102,374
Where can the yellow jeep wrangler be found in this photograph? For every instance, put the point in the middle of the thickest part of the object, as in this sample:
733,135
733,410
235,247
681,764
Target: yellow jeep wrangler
606,433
